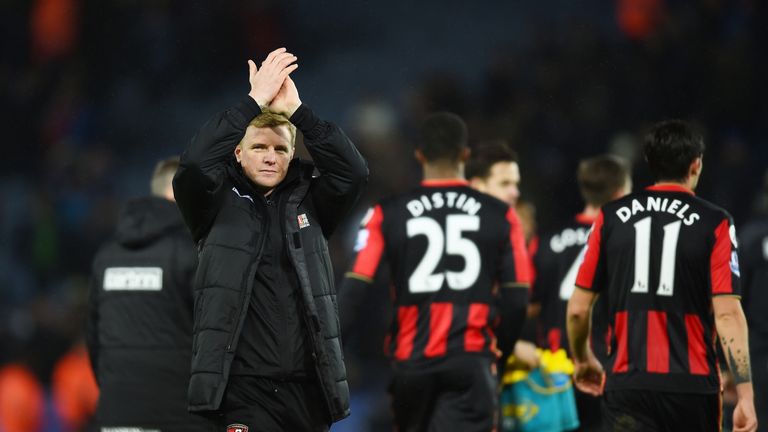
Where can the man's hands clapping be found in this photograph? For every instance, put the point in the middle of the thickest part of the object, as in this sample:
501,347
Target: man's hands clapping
271,86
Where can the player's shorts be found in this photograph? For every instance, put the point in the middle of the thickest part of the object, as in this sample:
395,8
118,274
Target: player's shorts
644,410
461,397
590,410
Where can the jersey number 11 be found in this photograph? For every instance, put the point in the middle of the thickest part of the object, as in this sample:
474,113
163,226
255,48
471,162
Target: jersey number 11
643,252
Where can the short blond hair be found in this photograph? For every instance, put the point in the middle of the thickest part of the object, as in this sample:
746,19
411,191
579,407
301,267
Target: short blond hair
269,119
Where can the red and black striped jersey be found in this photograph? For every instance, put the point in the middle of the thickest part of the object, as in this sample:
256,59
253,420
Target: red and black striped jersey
658,257
450,250
557,262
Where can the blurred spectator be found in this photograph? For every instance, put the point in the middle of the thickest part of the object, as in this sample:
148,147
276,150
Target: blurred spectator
638,19
54,28
22,400
74,389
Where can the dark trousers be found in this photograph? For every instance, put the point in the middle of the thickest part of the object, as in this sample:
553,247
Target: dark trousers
462,396
267,405
643,410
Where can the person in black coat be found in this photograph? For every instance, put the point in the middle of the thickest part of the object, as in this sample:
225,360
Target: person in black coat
266,347
140,320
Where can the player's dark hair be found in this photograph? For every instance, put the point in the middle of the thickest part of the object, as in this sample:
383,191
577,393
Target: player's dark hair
670,148
484,155
600,177
163,175
443,137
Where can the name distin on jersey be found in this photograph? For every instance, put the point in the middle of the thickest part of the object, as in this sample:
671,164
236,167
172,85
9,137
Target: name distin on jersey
658,204
438,200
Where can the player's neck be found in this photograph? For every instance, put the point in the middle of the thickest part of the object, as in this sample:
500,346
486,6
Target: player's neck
443,172
687,183
590,211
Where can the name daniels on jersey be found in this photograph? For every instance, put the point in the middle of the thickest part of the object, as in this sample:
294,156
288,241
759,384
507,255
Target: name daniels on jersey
438,200
658,204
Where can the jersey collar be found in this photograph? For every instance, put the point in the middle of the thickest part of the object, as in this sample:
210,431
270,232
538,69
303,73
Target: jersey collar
669,187
444,182
585,219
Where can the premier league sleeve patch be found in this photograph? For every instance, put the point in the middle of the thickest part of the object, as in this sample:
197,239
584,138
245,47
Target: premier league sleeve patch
735,264
237,428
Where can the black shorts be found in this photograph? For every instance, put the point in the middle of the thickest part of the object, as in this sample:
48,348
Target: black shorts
644,410
266,405
462,396
590,409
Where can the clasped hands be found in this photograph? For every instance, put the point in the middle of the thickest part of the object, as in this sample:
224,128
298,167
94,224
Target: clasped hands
271,85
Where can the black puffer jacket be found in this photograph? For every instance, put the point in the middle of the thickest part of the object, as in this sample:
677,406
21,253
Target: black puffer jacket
140,322
218,204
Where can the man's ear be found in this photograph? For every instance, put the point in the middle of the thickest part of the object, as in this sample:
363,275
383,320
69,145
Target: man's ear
238,152
464,156
419,156
695,169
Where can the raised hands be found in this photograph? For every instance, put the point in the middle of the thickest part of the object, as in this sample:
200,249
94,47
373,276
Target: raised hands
268,81
287,101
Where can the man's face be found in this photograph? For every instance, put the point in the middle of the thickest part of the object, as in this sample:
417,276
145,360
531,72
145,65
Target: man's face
502,182
264,154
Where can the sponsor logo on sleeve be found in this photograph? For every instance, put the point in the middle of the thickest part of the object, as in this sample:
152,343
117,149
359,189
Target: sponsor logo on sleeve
237,428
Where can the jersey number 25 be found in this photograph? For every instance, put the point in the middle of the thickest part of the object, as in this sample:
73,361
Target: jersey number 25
451,242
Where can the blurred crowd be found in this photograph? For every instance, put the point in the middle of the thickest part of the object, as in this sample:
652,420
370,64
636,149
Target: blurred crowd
92,93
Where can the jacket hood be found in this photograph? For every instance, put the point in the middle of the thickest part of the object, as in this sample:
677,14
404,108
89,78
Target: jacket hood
143,220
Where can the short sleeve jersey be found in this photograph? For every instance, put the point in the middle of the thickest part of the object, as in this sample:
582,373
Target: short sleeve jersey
450,249
658,257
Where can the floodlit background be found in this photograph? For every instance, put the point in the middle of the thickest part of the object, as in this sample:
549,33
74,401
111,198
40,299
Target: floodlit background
93,92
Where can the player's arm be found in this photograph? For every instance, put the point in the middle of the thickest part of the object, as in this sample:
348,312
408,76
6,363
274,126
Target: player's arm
201,170
733,332
731,323
370,254
514,282
525,349
588,375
